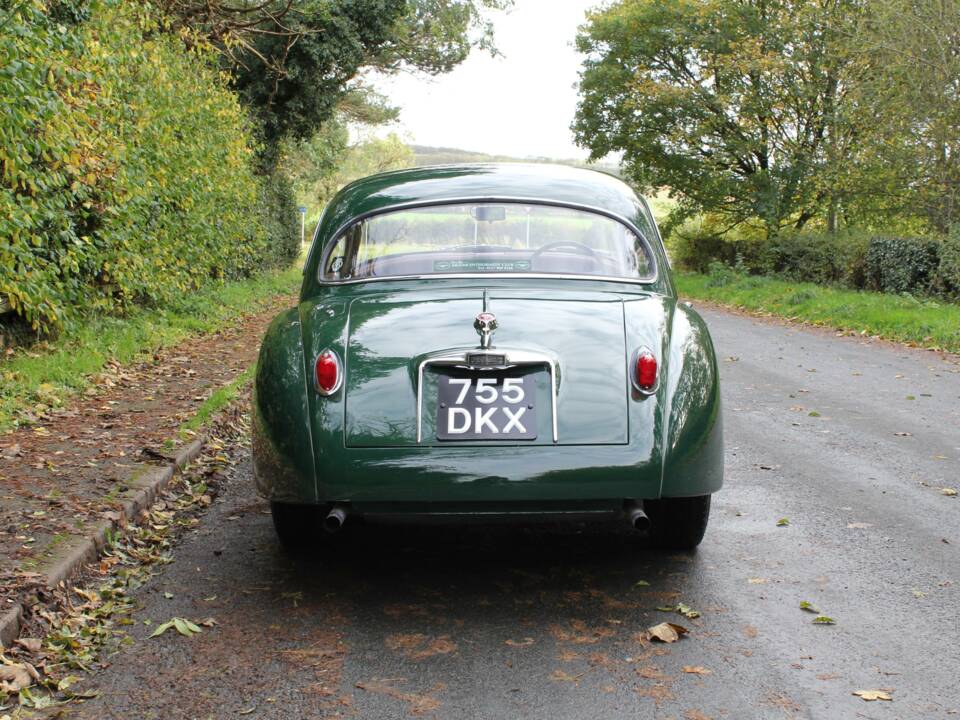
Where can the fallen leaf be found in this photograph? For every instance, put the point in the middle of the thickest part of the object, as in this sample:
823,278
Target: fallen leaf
696,670
667,632
67,682
824,620
871,695
783,522
31,644
16,677
641,583
181,625
808,606
949,492
684,610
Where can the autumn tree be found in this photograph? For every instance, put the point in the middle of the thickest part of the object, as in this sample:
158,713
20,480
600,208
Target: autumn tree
293,60
907,101
736,106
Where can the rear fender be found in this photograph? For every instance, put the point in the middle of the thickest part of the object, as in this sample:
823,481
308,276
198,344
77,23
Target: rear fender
283,466
325,324
693,445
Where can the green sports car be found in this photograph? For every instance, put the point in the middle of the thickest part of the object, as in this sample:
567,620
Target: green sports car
488,341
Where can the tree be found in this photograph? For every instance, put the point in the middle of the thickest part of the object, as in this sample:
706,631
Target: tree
736,106
329,160
909,52
292,60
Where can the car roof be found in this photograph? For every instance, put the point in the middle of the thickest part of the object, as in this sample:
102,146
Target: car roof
476,181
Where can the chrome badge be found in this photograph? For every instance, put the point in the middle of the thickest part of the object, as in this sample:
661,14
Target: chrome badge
485,325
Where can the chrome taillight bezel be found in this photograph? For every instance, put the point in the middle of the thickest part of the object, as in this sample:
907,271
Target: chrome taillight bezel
328,353
635,371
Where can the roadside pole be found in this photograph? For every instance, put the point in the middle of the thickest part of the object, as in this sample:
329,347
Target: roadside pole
303,225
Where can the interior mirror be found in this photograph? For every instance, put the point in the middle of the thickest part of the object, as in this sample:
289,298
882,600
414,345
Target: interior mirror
489,213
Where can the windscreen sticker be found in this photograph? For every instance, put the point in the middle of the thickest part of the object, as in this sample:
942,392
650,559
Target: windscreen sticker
446,266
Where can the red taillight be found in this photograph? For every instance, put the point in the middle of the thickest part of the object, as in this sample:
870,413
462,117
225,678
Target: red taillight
327,372
646,370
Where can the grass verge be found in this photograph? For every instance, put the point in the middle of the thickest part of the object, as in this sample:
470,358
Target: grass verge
916,321
216,402
46,373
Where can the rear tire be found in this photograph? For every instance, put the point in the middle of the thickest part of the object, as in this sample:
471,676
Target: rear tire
297,526
678,523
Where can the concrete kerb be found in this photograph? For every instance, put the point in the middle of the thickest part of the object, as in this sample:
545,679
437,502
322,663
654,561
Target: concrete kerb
86,548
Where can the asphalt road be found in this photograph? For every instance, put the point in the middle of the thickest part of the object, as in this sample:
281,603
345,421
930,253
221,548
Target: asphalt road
509,623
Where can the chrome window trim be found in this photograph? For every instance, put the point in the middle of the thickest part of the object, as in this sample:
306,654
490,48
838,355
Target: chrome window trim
630,225
514,358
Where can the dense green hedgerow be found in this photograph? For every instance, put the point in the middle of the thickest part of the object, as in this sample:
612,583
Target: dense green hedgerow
903,264
126,163
913,265
949,271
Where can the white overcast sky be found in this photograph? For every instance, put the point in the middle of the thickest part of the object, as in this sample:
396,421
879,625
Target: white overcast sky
521,103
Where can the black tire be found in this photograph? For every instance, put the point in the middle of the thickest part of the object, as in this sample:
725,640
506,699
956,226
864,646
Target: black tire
678,523
297,526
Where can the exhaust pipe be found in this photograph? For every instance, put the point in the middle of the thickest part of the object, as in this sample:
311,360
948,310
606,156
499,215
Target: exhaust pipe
638,518
335,519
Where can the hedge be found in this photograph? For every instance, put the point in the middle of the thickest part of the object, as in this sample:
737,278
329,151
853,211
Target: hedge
912,265
126,164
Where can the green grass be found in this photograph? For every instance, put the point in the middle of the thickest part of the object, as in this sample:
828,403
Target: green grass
919,321
216,402
47,373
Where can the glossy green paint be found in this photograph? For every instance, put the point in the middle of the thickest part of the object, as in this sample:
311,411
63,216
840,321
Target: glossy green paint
283,467
392,332
359,445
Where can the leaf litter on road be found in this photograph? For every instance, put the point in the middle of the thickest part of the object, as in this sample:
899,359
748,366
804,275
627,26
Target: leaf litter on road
871,695
75,624
685,610
181,625
666,632
15,677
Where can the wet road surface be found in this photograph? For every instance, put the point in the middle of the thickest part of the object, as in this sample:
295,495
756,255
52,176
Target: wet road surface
850,441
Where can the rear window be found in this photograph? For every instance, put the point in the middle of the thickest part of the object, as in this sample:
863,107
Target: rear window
487,238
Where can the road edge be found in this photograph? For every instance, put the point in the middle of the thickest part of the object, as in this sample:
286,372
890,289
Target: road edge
85,548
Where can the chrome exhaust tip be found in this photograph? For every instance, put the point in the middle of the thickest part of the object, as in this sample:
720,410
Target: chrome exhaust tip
335,519
638,519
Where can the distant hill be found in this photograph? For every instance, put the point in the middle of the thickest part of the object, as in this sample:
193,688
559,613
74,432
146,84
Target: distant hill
429,155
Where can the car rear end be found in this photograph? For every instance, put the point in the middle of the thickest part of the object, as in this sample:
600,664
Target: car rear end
492,359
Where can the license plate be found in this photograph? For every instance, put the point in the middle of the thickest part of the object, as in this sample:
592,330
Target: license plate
486,407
